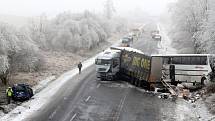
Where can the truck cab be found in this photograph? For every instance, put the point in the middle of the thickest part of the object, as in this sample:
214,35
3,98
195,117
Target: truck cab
108,64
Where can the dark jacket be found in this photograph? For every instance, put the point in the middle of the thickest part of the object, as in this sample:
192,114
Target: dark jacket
79,65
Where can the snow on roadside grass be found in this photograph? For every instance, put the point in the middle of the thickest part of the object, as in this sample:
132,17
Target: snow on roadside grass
42,97
42,84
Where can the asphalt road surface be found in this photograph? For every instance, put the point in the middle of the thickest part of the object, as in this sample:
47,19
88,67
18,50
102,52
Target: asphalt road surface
93,100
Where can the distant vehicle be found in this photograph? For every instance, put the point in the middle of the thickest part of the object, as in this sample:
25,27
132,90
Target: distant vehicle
157,37
126,41
134,35
22,92
131,38
154,33
135,32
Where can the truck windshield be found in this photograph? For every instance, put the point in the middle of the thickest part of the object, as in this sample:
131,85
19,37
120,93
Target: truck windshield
103,62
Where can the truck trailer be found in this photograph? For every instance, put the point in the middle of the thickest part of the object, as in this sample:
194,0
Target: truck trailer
124,63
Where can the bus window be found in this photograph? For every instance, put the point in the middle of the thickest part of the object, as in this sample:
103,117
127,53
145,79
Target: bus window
185,60
176,60
195,60
204,60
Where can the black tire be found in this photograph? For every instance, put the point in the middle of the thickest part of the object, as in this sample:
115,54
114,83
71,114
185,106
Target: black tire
136,82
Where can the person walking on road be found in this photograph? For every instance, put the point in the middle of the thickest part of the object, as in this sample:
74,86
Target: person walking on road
79,67
9,93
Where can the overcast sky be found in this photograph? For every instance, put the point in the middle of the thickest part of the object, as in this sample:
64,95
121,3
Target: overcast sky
53,7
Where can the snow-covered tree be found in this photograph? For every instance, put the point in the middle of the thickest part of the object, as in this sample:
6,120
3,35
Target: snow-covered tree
4,68
17,52
109,9
187,20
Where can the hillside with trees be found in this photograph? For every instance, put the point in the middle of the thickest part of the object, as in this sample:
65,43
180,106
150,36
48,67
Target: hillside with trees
27,48
193,26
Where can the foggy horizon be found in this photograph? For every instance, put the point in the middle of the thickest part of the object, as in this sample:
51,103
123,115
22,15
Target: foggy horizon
28,8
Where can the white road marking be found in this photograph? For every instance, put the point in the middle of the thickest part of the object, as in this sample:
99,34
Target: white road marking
98,85
87,98
120,107
73,117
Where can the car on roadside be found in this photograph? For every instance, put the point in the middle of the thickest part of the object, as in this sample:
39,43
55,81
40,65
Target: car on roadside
22,92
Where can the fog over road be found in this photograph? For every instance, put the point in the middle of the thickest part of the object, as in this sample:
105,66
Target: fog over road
93,100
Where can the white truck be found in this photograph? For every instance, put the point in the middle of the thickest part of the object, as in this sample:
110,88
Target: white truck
108,64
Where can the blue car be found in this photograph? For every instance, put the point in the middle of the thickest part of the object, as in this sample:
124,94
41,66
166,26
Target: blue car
22,92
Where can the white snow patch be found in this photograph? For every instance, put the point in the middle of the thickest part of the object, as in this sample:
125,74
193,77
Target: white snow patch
42,84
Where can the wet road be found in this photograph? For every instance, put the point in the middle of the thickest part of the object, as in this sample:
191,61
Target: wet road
93,100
